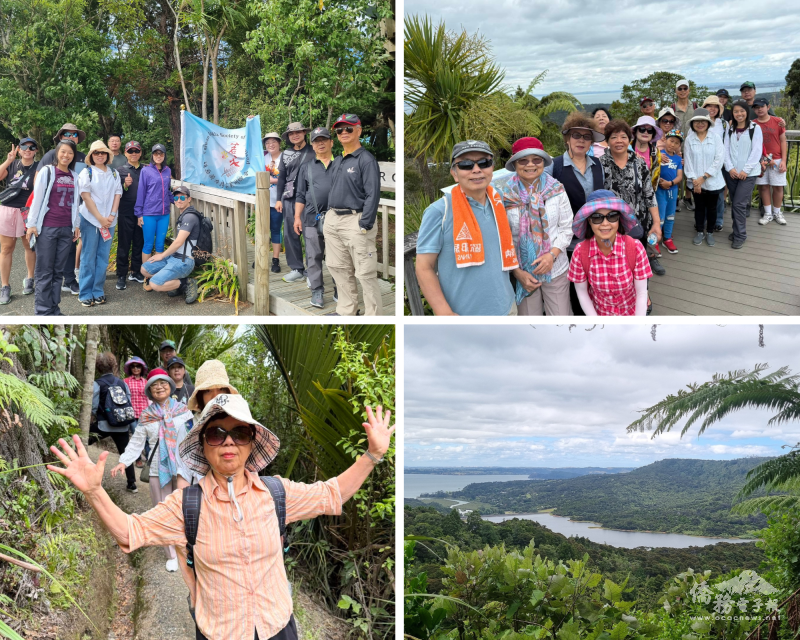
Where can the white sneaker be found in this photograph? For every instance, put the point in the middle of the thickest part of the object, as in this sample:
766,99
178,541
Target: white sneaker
172,565
765,219
293,276
778,215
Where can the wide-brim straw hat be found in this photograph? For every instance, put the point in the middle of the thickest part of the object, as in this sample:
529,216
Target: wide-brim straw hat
294,127
700,114
265,446
68,126
603,199
647,121
99,145
212,373
715,101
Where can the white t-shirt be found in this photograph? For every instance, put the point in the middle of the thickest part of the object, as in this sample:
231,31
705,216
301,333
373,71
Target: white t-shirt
102,186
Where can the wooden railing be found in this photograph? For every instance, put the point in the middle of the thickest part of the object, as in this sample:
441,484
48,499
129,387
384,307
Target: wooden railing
791,194
230,211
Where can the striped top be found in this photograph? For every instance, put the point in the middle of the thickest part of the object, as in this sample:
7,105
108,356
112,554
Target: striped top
241,580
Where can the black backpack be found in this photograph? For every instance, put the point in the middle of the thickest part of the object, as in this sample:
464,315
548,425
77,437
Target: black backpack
115,403
204,248
193,500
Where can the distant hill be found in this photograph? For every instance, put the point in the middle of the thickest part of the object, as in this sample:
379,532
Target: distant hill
675,495
534,473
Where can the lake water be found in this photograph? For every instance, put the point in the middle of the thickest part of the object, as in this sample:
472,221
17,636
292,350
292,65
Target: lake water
417,483
625,539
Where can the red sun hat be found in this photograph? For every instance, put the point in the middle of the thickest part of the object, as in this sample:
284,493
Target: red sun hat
527,147
646,99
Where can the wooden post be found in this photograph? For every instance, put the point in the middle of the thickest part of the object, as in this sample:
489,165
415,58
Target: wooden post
263,245
385,237
240,238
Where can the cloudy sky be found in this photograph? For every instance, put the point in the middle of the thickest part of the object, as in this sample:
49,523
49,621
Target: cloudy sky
482,395
594,45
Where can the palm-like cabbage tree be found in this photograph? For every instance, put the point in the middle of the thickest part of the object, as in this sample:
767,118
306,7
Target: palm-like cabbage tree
710,402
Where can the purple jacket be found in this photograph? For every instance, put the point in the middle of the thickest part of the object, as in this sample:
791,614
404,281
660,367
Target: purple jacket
153,197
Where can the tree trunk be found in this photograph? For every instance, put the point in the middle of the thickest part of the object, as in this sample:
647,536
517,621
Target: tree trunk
425,174
214,84
175,130
60,332
92,337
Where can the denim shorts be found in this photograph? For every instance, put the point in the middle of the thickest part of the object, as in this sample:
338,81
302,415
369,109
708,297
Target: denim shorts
162,271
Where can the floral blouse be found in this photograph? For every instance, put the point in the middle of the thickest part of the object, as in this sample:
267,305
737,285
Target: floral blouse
636,190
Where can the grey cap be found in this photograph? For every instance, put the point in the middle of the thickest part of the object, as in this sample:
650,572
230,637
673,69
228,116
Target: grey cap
470,145
159,147
320,132
272,134
182,189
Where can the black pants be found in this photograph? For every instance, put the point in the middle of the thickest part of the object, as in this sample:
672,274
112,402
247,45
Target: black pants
289,632
705,210
121,441
294,248
68,271
130,235
52,248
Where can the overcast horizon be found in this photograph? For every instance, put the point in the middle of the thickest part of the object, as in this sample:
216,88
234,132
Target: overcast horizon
519,396
620,44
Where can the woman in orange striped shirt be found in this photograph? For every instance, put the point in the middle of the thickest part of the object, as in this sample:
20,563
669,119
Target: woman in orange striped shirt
241,590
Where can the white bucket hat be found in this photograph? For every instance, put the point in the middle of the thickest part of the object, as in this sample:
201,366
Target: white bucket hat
265,446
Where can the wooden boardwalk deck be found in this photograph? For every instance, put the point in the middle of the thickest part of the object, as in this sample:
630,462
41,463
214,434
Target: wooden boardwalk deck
762,278
294,298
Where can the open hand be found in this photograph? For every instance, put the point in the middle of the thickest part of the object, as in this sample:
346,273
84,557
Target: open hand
379,433
78,467
117,470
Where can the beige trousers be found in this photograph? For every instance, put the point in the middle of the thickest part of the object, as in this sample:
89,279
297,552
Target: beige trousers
350,254
159,494
554,295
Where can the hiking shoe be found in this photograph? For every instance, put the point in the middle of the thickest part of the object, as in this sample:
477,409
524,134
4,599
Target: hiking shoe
132,488
316,298
335,294
87,303
121,283
74,289
181,290
293,276
657,267
777,215
5,294
276,265
731,237
136,277
717,227
670,245
737,244
698,239
765,219
649,308
191,291
146,285
27,283
710,239
100,300
65,287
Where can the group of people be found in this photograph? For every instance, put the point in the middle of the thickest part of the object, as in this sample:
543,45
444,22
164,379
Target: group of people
220,522
333,202
66,208
517,241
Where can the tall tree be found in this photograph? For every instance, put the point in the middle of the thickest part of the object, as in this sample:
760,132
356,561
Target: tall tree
92,338
660,87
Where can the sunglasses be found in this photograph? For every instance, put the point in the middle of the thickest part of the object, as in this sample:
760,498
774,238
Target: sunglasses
181,198
648,130
69,134
134,151
98,153
597,218
483,163
524,162
575,135
668,120
683,88
28,147
341,130
241,435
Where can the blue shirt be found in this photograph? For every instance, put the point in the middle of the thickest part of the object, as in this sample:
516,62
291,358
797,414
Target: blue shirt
670,170
484,290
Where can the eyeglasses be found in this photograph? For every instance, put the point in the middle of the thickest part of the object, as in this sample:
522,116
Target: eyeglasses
597,218
668,120
133,152
181,198
648,130
577,135
241,435
483,163
69,134
524,162
28,147
340,130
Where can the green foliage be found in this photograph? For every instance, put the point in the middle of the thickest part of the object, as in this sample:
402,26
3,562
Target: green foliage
781,544
660,87
792,91
219,275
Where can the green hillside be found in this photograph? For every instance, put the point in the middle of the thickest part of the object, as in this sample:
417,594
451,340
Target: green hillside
676,496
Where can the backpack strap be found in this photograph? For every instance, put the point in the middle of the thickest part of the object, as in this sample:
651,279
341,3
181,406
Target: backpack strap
583,255
192,500
630,252
278,493
200,217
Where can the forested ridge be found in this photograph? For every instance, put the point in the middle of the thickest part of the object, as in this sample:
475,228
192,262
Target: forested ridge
693,497
534,473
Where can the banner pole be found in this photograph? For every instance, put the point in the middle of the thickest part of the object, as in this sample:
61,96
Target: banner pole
263,244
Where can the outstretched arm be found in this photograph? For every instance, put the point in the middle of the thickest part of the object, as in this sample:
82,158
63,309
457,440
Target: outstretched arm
379,435
87,478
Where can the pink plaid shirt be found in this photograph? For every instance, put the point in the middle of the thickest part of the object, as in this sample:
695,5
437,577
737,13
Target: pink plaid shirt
610,280
139,400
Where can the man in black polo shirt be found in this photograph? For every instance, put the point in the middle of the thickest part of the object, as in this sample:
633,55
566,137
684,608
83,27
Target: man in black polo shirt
310,208
350,229
129,230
